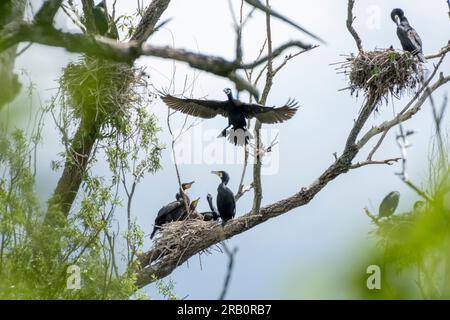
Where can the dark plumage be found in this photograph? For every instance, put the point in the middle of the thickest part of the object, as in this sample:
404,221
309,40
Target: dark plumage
103,23
226,204
389,204
210,215
236,111
409,38
174,211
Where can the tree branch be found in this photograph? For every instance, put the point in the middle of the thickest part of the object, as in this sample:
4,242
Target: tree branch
350,20
47,12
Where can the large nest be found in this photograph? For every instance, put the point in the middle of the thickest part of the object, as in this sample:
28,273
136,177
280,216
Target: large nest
383,73
184,236
99,89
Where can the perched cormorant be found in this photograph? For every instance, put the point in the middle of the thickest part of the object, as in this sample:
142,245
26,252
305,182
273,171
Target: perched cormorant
389,204
236,111
409,38
226,204
103,23
173,211
210,215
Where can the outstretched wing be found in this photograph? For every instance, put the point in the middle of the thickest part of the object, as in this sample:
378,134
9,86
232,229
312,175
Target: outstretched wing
270,114
205,109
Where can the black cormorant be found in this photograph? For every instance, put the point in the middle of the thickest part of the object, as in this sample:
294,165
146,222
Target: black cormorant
173,211
409,38
226,204
236,111
389,204
210,215
103,23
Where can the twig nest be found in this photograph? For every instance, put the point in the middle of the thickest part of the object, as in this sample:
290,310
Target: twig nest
383,73
97,89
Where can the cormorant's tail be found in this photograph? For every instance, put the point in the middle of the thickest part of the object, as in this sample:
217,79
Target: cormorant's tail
239,137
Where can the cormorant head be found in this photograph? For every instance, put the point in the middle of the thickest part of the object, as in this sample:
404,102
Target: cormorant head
209,197
397,15
187,185
222,175
228,92
194,204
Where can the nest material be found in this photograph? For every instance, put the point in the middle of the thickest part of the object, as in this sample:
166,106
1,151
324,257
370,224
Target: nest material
181,234
383,73
96,88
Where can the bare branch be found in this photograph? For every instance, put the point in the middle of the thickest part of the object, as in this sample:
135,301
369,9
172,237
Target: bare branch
48,11
441,53
388,162
350,20
402,117
257,4
147,25
226,283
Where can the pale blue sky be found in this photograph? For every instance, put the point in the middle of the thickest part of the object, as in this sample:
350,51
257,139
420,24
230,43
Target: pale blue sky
278,258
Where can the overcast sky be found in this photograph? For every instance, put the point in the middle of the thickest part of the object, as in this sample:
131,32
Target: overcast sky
279,258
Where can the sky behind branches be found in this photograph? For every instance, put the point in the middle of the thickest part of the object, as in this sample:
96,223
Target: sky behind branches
278,259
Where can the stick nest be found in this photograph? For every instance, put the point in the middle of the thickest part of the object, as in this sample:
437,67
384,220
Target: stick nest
382,73
181,234
98,89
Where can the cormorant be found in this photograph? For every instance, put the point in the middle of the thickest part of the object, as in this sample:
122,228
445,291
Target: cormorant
226,204
103,23
173,211
389,204
210,215
236,111
184,187
409,38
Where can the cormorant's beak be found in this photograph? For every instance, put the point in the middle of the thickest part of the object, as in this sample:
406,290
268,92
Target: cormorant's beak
188,185
217,173
397,20
195,203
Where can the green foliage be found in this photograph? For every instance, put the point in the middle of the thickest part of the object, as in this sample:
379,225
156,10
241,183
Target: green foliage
413,251
34,257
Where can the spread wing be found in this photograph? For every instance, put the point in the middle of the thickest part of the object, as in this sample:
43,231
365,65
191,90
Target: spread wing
205,109
270,114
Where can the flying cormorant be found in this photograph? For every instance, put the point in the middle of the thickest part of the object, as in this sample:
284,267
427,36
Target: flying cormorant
226,204
173,211
389,204
236,111
210,215
103,23
409,38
